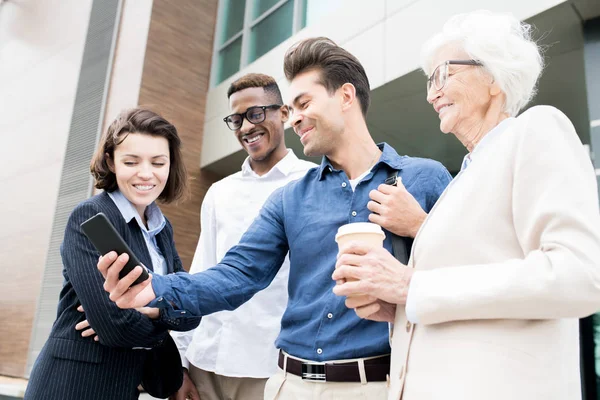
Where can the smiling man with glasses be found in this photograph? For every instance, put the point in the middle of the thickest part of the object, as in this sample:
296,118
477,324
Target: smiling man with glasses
232,353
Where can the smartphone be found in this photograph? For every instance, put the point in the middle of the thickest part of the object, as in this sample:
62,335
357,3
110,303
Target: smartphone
105,238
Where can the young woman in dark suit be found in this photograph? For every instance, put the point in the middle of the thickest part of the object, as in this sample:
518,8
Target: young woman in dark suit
138,161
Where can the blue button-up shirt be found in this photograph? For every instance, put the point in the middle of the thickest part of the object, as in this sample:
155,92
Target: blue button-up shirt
303,218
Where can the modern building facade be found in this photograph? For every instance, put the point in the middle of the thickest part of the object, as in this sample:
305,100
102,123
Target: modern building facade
68,66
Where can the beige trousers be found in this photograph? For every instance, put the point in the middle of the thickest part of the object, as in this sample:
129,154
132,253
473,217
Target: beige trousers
286,386
218,387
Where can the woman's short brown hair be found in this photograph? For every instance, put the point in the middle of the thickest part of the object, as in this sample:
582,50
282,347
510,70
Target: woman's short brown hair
335,64
140,120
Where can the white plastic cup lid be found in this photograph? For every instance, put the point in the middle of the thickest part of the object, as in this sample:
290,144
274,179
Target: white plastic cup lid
359,227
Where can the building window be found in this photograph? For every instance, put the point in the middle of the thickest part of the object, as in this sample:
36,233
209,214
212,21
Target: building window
248,29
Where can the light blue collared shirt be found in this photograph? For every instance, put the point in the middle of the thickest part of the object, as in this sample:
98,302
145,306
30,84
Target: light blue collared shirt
156,222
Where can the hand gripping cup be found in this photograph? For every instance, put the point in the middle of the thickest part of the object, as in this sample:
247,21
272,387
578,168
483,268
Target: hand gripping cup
365,233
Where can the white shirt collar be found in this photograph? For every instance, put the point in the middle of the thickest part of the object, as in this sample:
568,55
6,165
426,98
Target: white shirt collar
285,166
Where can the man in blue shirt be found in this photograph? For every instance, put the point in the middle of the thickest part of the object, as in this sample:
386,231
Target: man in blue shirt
329,99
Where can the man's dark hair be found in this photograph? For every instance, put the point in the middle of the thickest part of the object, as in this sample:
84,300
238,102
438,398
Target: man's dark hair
266,82
335,64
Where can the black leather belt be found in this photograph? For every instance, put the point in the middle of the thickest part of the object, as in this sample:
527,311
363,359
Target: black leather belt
376,370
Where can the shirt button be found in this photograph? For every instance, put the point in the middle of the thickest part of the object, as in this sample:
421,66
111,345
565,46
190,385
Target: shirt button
160,299
330,315
354,213
319,351
408,326
344,184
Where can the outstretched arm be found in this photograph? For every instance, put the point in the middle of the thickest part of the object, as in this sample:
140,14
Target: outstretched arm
246,268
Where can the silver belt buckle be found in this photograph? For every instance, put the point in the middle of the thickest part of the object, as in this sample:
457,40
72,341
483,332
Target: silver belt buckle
313,372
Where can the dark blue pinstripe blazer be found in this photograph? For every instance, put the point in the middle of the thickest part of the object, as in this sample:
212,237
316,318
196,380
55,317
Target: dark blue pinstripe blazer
73,367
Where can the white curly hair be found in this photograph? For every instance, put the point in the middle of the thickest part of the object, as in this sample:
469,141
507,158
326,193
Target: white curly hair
502,44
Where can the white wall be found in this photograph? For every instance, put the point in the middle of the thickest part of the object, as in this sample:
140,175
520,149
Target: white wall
41,48
128,64
386,37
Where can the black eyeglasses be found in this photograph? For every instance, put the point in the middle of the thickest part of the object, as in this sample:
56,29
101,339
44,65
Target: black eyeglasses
440,74
254,115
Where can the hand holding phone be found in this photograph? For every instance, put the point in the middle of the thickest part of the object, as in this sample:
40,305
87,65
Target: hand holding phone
105,239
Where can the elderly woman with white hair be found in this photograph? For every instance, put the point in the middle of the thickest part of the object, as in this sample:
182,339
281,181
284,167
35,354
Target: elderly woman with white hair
508,259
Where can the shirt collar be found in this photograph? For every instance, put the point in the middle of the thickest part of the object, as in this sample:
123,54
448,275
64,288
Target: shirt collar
155,218
285,165
486,140
389,157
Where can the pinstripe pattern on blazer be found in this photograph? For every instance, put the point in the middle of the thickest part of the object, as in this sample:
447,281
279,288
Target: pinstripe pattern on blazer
73,367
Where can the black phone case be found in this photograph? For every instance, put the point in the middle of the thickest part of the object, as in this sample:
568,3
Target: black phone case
105,238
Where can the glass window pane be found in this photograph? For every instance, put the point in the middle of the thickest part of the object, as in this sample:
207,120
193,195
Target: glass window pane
229,60
271,31
303,16
232,19
260,6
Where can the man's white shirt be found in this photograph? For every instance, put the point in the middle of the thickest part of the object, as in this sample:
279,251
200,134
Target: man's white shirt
239,343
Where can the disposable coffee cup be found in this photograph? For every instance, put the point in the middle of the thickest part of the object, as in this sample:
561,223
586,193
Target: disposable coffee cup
365,233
